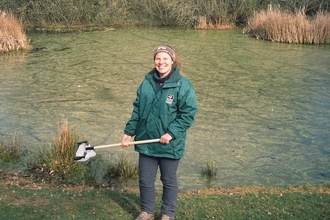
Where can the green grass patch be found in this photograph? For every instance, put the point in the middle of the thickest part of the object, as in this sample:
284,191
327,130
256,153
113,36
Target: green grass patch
103,203
256,206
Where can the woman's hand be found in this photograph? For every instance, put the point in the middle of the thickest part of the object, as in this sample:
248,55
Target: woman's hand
126,139
165,138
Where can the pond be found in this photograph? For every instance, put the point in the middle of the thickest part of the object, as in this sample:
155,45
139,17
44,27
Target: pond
264,108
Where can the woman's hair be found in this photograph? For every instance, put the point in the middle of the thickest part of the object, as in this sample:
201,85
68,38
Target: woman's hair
178,63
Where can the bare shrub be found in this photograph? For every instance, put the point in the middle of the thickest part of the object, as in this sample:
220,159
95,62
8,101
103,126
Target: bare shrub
12,36
280,26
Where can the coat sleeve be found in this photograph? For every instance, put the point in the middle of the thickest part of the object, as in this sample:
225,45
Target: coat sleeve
187,108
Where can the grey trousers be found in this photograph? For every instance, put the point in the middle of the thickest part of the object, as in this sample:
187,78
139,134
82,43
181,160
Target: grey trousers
148,167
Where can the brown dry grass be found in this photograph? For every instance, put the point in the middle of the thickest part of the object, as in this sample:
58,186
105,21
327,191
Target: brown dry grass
206,24
63,147
63,143
278,26
320,28
12,35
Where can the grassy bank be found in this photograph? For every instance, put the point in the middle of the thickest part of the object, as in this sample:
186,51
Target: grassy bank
303,22
90,15
21,198
53,186
189,13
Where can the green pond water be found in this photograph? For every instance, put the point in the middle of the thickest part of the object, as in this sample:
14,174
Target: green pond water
264,108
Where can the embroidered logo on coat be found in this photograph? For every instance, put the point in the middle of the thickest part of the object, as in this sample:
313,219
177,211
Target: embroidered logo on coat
169,99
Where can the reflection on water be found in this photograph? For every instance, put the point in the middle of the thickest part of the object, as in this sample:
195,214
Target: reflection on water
263,114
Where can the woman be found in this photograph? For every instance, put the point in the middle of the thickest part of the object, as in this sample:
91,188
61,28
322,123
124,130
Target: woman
164,108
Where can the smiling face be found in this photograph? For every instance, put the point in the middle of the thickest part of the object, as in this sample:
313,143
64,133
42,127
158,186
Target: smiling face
163,64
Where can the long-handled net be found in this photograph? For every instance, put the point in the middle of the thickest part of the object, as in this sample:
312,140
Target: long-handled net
84,150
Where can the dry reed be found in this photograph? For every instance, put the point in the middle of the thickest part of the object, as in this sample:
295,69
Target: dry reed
320,28
206,24
12,36
278,26
63,147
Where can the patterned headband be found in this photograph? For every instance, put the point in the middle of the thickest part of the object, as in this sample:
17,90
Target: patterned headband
166,49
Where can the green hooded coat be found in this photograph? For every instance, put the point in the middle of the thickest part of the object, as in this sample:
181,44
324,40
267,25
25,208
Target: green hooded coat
171,109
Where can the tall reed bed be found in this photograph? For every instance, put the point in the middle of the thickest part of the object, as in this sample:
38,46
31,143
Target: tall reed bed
281,26
12,36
